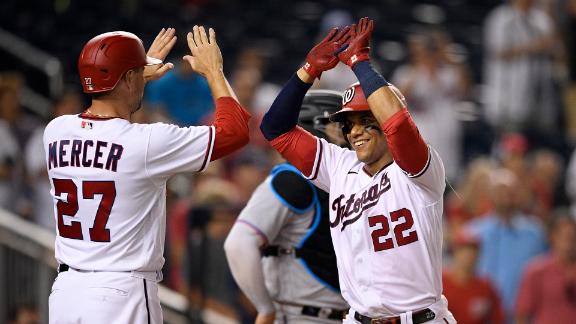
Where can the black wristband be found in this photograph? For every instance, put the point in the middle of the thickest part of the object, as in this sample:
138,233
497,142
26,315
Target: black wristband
370,80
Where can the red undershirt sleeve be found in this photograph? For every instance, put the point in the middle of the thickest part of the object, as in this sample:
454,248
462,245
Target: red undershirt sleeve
231,125
298,147
405,143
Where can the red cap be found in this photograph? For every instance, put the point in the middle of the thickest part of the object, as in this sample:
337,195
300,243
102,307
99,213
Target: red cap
463,237
514,143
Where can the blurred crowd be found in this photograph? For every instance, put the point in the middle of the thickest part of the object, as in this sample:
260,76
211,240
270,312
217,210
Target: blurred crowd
506,138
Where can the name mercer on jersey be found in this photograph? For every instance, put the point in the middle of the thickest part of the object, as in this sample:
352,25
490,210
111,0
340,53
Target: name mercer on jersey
84,153
353,205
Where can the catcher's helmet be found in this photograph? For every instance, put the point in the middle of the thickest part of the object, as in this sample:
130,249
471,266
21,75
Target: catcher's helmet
353,99
316,109
106,57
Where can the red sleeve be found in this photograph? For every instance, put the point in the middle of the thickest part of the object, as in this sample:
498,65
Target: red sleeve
408,148
298,147
231,124
528,293
497,314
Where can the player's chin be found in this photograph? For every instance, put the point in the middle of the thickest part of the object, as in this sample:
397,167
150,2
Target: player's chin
361,155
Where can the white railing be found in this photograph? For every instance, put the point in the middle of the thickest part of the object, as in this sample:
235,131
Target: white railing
28,267
34,57
42,61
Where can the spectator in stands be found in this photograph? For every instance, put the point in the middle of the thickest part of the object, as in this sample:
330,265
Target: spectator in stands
473,300
520,83
511,150
509,239
10,155
433,85
548,290
545,169
22,123
182,95
571,183
249,169
35,161
567,11
472,197
211,282
24,314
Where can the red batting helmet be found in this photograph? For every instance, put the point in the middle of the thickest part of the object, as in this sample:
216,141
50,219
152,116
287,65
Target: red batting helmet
353,99
106,57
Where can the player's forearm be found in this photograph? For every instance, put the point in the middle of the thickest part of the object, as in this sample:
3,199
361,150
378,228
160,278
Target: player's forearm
231,124
242,247
387,104
219,86
283,114
381,98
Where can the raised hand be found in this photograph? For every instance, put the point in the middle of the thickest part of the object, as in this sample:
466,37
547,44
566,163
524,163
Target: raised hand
162,45
206,58
323,56
358,48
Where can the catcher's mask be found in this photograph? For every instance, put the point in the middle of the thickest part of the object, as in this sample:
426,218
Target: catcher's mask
317,107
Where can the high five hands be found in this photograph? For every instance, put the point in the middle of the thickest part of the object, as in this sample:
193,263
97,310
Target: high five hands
206,58
348,45
162,45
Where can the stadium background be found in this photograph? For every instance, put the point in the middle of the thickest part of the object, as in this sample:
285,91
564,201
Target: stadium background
263,43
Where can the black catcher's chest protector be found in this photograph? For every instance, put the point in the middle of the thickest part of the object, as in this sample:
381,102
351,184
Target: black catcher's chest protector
315,250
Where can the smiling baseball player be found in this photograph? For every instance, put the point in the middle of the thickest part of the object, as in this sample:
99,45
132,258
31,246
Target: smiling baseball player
385,194
285,224
109,176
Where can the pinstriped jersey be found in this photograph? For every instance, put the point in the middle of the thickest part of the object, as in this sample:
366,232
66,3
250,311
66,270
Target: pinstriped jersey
108,179
386,229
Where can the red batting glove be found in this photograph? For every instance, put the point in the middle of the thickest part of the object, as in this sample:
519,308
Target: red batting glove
357,50
322,57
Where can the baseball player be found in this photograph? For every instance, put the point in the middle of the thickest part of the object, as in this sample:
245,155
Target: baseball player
286,221
385,193
109,175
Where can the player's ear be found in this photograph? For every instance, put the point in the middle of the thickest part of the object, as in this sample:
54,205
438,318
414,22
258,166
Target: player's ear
130,79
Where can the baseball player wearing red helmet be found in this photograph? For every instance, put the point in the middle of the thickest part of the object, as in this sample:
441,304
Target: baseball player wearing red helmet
109,176
385,194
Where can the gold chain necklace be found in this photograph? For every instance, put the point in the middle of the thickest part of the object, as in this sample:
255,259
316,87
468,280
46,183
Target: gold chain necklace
88,112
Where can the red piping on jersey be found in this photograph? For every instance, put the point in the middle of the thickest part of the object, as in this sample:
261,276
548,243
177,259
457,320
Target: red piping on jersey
405,143
297,146
231,124
207,149
256,230
319,161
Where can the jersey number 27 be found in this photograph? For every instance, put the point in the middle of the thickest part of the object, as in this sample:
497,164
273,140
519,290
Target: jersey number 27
98,231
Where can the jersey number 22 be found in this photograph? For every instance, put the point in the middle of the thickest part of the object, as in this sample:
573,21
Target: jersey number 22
402,237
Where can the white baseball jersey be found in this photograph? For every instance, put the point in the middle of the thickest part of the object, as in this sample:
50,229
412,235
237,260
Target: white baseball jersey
386,230
108,180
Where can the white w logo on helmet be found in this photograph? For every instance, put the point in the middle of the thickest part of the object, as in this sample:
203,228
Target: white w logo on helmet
347,96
